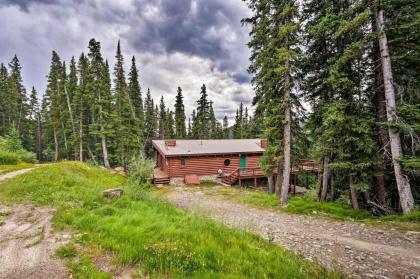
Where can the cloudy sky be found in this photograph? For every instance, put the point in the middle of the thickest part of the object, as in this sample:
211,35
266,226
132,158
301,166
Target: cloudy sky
176,42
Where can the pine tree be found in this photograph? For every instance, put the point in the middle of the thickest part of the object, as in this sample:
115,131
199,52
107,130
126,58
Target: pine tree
203,115
169,124
98,87
52,104
6,102
70,91
34,123
149,124
225,127
135,97
404,189
214,132
162,118
81,106
180,129
274,45
19,101
123,114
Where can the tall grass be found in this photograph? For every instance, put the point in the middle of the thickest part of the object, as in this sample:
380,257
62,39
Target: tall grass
145,231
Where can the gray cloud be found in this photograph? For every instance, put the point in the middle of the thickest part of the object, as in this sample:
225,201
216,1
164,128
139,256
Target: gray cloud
182,42
24,4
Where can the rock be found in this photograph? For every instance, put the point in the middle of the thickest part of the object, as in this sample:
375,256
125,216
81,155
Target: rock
113,193
120,170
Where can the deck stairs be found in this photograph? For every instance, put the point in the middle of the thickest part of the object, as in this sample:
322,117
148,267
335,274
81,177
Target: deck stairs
231,178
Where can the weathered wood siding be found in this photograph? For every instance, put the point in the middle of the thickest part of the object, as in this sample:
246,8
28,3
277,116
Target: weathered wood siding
162,163
208,165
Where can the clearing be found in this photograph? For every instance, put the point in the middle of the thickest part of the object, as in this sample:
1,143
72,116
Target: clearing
142,235
360,250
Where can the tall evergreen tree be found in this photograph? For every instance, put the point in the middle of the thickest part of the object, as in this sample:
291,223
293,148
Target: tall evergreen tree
19,99
149,124
180,129
98,86
162,118
124,117
203,115
135,97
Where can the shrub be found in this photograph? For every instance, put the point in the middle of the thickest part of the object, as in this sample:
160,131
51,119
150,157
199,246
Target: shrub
140,172
8,158
27,157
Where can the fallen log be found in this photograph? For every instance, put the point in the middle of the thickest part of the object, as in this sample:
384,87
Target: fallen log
378,210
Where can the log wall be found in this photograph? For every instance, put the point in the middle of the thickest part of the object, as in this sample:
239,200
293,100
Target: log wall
208,165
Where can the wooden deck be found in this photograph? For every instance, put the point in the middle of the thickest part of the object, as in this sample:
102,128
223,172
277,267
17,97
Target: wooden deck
160,177
255,173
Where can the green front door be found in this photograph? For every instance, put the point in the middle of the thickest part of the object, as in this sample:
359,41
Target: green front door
242,162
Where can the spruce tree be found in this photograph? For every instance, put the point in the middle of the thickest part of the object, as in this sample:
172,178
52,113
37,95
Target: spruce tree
202,120
149,124
225,127
136,100
19,99
123,114
180,129
98,88
162,118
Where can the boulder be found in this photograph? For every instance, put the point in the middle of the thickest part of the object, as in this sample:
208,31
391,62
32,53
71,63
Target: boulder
113,193
120,171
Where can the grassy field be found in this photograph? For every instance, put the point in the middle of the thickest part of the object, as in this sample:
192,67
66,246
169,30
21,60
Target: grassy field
298,205
9,168
139,230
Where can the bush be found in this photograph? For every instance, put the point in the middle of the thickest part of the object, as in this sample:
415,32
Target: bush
27,157
140,172
12,151
8,158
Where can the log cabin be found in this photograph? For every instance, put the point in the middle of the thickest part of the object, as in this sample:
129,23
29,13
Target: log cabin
227,160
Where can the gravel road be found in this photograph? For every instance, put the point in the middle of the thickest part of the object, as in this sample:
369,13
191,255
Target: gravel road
359,250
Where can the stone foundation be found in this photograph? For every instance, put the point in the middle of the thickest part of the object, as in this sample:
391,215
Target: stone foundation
180,180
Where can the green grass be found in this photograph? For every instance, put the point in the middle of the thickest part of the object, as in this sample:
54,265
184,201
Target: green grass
298,205
138,229
9,168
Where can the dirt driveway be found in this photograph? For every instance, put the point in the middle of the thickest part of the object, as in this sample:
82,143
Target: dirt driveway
27,241
359,250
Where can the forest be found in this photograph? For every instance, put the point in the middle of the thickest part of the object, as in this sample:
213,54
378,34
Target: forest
334,81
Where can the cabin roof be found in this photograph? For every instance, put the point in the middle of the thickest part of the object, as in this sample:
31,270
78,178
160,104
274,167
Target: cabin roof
208,147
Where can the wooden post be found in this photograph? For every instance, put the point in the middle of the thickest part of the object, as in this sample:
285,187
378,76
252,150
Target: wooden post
294,185
255,182
240,185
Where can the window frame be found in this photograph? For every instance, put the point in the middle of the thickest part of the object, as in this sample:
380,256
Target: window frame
182,162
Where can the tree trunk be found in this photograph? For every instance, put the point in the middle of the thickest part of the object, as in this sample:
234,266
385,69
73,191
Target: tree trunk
105,150
404,190
353,195
326,174
64,137
270,184
81,137
279,178
103,138
379,183
73,127
38,138
56,145
286,140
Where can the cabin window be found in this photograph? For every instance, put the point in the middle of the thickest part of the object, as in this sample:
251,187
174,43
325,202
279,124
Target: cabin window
227,162
183,162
